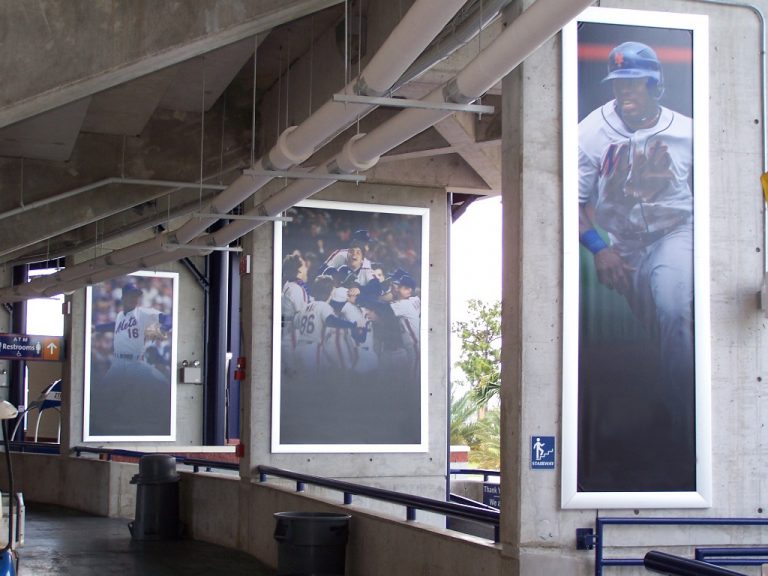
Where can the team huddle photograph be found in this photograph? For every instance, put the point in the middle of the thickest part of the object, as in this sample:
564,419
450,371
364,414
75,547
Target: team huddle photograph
351,290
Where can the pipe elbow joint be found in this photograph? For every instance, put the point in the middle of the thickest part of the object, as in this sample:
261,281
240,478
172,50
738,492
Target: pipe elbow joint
348,162
281,157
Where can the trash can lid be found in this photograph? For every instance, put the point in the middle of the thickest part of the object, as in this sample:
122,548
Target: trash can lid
156,468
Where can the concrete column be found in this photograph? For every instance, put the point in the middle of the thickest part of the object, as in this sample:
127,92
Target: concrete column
512,149
422,473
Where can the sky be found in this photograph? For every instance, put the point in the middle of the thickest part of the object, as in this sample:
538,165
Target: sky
475,261
476,255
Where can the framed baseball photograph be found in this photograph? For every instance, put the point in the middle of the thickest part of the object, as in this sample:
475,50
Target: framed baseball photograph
350,334
130,358
636,375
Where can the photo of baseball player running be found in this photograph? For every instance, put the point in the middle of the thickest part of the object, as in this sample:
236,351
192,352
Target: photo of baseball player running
636,343
131,377
350,327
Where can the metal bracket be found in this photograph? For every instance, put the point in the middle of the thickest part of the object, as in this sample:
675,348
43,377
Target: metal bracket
406,103
243,217
205,248
304,175
585,539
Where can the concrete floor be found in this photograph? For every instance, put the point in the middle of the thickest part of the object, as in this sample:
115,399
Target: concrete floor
62,541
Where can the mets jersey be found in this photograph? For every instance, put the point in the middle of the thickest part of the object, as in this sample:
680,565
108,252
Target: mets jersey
363,275
634,222
129,332
310,333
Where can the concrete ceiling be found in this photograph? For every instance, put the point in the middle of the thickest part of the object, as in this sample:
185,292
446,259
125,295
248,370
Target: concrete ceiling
176,112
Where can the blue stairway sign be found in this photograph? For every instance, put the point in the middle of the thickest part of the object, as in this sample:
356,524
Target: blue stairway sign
543,452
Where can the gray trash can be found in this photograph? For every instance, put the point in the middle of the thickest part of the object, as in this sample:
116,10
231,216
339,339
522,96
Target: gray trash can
311,543
157,499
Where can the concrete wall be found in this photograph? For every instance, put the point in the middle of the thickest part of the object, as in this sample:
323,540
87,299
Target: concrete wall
96,486
238,513
379,544
190,338
422,473
536,530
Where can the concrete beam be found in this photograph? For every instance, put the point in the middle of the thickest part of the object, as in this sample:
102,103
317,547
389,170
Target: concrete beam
168,149
65,51
48,136
448,171
459,131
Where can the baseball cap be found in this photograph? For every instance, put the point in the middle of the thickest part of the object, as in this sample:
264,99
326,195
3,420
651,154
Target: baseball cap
131,288
339,295
360,238
407,281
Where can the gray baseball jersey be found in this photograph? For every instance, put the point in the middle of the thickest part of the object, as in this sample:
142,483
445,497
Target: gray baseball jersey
633,222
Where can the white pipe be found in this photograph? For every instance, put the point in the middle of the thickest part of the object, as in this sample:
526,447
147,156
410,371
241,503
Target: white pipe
501,57
424,20
411,36
521,38
106,182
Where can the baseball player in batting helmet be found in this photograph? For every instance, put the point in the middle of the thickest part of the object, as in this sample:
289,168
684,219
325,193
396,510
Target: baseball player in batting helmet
636,211
636,60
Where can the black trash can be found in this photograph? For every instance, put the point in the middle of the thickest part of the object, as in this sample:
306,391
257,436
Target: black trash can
157,499
311,543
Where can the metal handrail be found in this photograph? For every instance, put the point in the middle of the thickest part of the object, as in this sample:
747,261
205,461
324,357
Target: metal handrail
411,502
459,499
677,566
733,555
196,463
35,447
486,474
601,522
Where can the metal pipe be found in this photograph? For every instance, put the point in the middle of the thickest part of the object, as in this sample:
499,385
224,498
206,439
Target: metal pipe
764,104
481,18
107,182
677,566
524,35
424,20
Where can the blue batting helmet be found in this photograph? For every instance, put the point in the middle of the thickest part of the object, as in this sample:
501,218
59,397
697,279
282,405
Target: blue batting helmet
407,281
636,60
131,288
360,238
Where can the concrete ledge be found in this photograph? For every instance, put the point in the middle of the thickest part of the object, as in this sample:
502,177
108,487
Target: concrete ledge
235,512
238,513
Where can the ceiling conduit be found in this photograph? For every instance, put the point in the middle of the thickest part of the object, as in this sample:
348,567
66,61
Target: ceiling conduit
423,21
526,33
522,37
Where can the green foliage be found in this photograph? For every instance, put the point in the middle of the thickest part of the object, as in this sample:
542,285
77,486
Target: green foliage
480,430
475,415
480,358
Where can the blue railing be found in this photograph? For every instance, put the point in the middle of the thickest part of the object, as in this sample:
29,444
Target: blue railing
598,540
733,556
196,463
411,502
35,447
677,566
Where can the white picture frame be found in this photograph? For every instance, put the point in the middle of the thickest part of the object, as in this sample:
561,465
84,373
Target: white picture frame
130,380
356,408
595,475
